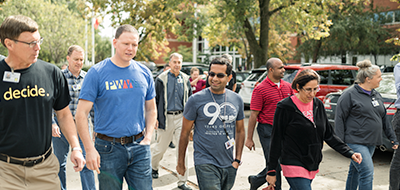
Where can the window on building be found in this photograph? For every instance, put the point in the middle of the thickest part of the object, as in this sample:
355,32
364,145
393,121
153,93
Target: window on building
397,16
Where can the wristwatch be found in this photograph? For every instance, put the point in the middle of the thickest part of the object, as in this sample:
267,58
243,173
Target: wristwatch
238,161
76,148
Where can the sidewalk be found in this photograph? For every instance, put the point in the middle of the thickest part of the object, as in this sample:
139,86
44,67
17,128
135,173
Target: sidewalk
253,162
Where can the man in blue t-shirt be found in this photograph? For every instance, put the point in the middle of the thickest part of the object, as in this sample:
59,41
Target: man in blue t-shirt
122,93
218,118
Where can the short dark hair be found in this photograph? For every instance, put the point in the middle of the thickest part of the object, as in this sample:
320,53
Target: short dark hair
222,61
14,25
125,28
304,77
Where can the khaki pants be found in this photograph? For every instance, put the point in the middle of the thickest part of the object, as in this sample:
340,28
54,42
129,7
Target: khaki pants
43,176
164,137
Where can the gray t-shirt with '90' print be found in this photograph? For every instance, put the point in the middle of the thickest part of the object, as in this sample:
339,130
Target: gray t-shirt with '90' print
209,135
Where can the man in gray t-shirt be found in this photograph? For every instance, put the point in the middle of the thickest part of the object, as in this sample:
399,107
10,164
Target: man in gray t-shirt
218,116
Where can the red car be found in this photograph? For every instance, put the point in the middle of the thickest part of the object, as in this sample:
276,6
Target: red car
334,77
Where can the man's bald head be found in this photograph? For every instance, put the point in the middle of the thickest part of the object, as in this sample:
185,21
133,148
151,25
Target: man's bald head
272,62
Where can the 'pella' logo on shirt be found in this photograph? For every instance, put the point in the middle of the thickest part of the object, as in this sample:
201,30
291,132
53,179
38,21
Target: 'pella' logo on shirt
24,93
121,84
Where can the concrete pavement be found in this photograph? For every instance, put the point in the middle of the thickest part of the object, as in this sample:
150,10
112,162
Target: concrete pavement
332,175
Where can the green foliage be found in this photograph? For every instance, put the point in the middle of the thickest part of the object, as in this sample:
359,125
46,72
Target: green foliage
355,30
153,19
263,28
102,48
59,26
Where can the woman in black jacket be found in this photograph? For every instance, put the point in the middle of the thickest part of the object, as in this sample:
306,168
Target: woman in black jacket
299,129
359,120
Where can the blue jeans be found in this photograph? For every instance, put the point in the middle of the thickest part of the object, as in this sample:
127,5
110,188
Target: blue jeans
264,134
61,149
130,161
210,177
361,175
299,183
394,179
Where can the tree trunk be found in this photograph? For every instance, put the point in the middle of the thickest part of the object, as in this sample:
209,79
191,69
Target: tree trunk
316,51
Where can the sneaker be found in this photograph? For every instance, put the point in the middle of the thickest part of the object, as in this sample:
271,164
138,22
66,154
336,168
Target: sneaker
154,174
171,145
253,180
184,187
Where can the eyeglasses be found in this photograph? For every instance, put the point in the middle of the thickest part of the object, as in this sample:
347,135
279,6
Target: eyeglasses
309,90
219,75
32,44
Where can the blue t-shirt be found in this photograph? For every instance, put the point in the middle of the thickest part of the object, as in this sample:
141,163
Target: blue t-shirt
209,135
118,95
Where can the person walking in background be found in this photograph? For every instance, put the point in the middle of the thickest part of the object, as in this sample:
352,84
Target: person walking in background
195,80
394,178
75,76
359,121
264,98
218,118
31,91
172,92
122,93
299,130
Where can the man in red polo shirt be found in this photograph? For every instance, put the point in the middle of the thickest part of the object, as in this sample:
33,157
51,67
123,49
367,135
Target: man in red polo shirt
263,104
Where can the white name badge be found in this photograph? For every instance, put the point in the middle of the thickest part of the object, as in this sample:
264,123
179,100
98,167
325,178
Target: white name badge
229,144
375,103
76,87
11,77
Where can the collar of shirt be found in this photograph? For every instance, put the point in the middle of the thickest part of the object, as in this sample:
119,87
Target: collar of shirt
173,75
68,74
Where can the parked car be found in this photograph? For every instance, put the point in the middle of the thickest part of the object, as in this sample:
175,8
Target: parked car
240,77
333,78
249,83
388,91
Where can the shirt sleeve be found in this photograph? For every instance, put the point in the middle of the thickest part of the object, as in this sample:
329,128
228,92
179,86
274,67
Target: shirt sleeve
343,109
151,92
90,86
190,109
62,97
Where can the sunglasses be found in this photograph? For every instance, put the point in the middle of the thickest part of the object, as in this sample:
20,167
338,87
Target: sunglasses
219,75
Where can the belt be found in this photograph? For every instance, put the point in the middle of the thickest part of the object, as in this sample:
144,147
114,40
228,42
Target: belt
29,162
174,112
122,140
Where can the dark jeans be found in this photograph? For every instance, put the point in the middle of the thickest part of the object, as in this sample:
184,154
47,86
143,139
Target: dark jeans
210,177
299,183
264,134
130,161
394,178
61,149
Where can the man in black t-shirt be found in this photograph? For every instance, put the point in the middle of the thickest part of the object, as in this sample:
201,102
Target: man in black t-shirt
29,90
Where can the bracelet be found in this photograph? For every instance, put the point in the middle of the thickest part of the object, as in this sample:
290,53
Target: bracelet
77,148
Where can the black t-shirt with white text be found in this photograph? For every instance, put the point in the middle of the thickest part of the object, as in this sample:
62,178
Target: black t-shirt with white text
26,108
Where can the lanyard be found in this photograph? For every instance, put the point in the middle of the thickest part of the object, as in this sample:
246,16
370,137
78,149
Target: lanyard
223,120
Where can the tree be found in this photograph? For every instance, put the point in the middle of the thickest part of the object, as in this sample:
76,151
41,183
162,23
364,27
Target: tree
102,48
59,26
355,30
267,24
153,19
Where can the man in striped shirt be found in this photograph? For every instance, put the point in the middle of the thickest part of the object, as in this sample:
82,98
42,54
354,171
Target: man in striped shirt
263,104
